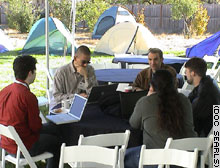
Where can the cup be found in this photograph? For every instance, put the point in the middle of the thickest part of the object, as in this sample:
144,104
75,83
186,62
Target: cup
128,89
65,104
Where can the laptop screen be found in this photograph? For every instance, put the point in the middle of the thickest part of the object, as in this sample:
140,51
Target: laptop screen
77,106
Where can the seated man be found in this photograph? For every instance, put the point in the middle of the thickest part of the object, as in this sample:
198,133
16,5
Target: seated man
75,77
205,94
19,108
155,59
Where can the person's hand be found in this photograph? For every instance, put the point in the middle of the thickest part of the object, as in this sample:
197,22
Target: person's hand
137,89
82,70
151,91
83,95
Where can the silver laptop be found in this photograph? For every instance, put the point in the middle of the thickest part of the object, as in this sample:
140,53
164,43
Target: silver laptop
75,113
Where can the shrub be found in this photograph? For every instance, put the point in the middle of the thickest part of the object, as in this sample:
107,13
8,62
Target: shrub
62,11
200,21
21,15
89,11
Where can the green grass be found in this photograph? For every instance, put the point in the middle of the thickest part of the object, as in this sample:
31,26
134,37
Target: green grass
39,86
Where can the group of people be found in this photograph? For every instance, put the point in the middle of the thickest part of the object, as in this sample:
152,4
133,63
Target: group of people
162,113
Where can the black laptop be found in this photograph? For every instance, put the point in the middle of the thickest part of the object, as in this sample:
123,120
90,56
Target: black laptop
99,92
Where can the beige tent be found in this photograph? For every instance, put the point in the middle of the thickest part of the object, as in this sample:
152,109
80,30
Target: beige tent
127,37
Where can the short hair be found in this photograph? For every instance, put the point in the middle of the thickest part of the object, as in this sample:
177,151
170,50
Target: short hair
198,65
156,51
83,50
22,65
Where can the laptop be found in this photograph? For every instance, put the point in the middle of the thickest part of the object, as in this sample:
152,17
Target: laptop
73,115
99,92
128,102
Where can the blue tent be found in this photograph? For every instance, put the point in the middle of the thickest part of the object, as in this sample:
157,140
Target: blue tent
59,38
3,49
205,47
109,18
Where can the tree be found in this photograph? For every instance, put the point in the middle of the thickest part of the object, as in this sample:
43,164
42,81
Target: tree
21,14
184,9
89,11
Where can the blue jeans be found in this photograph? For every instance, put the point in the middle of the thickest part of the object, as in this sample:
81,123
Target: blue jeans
49,141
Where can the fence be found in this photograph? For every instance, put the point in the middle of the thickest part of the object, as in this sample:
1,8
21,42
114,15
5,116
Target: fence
158,18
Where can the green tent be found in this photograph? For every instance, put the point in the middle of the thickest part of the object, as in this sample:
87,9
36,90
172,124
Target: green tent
59,38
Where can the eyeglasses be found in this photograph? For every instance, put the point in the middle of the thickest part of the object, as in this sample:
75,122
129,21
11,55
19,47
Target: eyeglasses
85,62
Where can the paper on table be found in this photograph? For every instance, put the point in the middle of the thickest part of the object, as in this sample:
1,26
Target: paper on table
121,87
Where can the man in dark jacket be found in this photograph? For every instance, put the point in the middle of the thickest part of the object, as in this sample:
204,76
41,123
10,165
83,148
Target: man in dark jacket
205,94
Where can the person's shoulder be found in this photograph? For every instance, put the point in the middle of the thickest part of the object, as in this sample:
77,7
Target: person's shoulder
149,99
146,70
183,97
64,68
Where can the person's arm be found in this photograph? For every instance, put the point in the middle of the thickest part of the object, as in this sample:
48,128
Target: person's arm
90,80
136,117
34,120
58,88
136,86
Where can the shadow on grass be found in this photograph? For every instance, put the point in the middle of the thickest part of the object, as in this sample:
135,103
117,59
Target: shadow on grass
9,53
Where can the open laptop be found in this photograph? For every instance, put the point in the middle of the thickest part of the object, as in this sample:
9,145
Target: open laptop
99,92
73,115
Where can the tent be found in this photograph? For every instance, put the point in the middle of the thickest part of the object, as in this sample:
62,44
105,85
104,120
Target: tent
109,18
127,37
59,37
5,42
205,47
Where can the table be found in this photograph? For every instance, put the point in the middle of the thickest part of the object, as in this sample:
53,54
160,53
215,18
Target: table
174,61
116,75
123,76
94,122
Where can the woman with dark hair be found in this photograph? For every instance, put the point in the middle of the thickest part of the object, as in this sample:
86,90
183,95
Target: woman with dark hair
161,114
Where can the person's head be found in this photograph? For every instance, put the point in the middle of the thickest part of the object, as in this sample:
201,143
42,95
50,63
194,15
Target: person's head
170,113
25,68
195,68
155,58
83,56
162,80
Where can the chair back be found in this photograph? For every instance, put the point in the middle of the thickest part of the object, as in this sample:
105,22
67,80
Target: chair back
10,132
87,153
109,140
203,144
168,157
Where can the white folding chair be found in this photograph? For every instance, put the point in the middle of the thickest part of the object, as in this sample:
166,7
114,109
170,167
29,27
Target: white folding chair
109,65
10,132
109,140
168,157
86,153
98,66
138,66
203,144
50,76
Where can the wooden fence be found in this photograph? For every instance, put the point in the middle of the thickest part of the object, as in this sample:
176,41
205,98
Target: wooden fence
158,18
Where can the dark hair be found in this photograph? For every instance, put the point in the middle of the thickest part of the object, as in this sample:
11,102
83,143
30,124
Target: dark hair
198,65
22,65
156,51
83,50
170,114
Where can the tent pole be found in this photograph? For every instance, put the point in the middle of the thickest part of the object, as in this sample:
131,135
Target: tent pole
47,38
73,27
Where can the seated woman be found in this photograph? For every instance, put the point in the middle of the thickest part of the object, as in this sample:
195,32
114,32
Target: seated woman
161,114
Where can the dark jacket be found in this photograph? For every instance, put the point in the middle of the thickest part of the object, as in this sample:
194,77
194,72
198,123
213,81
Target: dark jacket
203,97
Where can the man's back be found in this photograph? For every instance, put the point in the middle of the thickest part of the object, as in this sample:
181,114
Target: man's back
18,106
203,98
